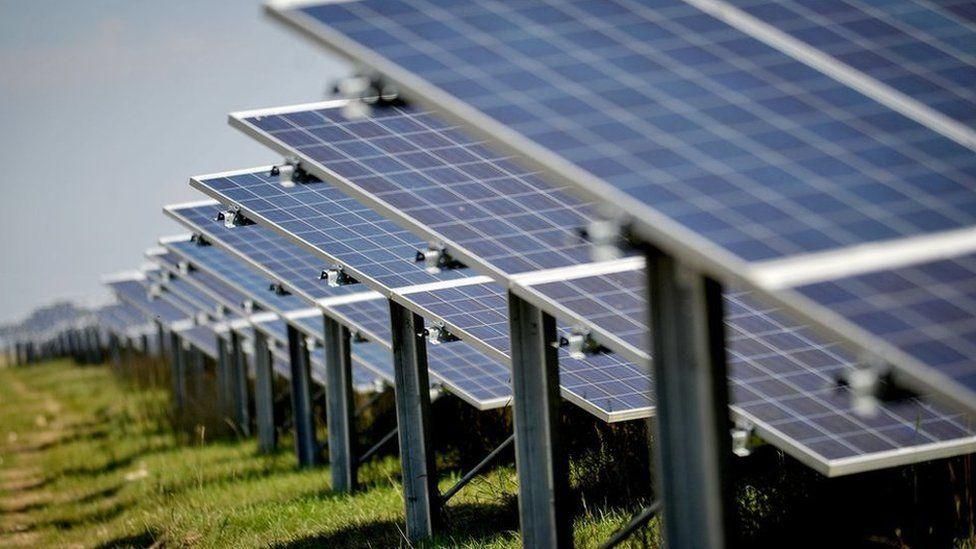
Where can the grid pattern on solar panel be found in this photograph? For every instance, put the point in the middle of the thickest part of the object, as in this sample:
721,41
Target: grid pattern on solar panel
473,197
927,310
457,364
203,338
218,289
377,358
127,314
281,258
604,382
922,49
332,222
227,267
190,294
722,133
134,292
782,375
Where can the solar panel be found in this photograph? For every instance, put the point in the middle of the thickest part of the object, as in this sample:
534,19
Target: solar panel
783,378
227,267
370,246
928,310
210,285
481,381
721,148
203,338
134,292
921,49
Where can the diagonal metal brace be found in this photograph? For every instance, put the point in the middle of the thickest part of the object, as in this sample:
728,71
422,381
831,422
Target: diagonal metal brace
636,523
469,476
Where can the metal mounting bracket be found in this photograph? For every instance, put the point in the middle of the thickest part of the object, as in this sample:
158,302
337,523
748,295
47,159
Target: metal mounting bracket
233,217
437,333
436,258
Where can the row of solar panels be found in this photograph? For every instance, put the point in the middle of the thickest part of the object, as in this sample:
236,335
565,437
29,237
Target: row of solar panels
273,243
818,153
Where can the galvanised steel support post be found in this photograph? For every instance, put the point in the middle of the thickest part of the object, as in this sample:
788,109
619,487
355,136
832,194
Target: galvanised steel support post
412,389
115,349
224,402
238,385
306,445
693,426
264,394
161,337
177,370
340,409
544,506
91,336
144,343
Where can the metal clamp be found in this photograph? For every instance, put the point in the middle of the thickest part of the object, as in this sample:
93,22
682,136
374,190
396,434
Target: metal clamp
608,239
199,239
867,383
290,172
580,343
278,289
337,276
437,334
743,438
359,337
155,290
366,91
436,259
184,267
233,217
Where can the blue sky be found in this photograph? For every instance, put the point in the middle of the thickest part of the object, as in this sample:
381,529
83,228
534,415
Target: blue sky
107,108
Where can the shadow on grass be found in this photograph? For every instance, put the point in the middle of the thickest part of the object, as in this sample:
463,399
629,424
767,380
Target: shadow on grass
93,517
462,524
146,538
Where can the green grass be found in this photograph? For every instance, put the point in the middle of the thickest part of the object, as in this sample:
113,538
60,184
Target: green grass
87,460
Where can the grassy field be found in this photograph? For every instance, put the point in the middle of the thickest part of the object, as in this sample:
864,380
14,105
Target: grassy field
86,461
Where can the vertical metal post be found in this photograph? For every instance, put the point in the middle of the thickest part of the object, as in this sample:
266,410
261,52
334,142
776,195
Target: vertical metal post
340,411
542,466
224,402
412,389
144,342
693,441
306,446
238,385
161,337
177,370
264,394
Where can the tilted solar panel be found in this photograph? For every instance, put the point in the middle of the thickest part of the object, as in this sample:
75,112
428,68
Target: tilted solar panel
919,48
203,338
783,377
134,292
720,148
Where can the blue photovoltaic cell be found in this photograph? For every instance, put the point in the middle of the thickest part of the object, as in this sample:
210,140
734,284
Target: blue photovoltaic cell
376,357
243,276
281,258
118,318
465,370
922,49
927,310
781,373
604,382
731,138
190,294
333,223
135,293
448,182
203,338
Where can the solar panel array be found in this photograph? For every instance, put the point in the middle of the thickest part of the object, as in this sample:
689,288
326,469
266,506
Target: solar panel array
717,142
700,131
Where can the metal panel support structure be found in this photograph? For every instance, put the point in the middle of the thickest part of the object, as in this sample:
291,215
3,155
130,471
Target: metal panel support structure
177,370
544,506
238,386
412,388
161,339
340,409
264,395
693,426
306,445
223,378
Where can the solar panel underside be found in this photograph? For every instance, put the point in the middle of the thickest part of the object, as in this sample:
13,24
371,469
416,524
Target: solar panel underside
210,285
135,293
660,109
783,378
922,49
203,338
